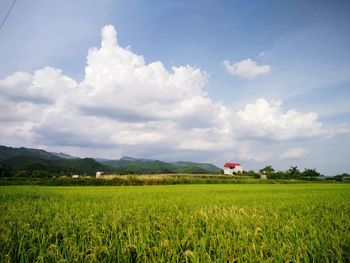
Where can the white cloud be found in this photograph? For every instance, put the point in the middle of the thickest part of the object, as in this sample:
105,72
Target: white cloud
207,139
44,86
245,153
246,68
295,153
342,129
132,89
123,103
267,120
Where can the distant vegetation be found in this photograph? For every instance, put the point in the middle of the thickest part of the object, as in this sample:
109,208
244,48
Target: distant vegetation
293,173
23,163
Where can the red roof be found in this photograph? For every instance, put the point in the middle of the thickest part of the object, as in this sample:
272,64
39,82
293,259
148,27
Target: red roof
231,165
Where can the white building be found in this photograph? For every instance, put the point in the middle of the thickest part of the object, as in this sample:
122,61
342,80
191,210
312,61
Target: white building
75,176
99,174
232,168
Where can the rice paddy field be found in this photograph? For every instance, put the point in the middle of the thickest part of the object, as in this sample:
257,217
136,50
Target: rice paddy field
176,223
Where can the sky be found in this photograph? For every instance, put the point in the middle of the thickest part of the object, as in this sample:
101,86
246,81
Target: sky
255,82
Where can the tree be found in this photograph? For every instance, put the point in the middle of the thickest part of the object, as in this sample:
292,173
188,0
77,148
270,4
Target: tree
341,177
40,174
251,173
4,171
22,173
267,170
293,172
310,173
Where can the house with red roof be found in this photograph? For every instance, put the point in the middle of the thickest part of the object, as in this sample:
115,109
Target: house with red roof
232,168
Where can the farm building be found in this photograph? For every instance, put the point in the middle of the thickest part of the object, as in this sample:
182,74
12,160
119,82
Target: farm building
99,174
75,176
232,168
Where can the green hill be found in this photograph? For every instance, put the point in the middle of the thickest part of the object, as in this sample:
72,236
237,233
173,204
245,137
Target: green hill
9,152
131,165
205,166
25,162
86,166
128,165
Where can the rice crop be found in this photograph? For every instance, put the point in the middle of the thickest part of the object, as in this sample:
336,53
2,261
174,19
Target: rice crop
176,223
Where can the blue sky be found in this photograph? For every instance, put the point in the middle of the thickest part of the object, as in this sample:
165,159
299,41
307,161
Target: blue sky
304,46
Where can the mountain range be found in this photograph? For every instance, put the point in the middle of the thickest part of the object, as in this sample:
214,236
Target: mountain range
36,162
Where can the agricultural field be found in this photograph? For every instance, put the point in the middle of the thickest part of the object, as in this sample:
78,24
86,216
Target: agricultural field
176,223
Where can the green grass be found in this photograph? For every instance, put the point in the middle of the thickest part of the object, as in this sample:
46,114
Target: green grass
180,223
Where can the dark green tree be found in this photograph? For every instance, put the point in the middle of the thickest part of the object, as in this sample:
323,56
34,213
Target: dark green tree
293,172
40,174
310,173
267,170
22,173
251,173
4,171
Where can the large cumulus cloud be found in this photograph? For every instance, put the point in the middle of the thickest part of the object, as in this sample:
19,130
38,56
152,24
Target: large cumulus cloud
267,120
132,90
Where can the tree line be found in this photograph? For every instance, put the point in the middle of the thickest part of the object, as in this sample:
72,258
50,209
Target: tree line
268,171
292,173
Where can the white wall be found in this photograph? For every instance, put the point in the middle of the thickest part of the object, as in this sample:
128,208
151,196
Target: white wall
237,169
227,170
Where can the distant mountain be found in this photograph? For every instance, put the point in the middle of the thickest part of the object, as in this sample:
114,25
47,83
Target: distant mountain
143,166
9,152
127,158
26,162
205,166
101,160
30,160
128,161
130,165
64,156
85,166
